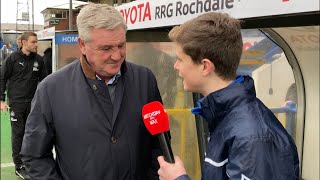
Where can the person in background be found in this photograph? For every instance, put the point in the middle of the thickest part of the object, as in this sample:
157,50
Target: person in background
90,110
9,45
47,58
1,42
246,140
22,70
18,42
4,53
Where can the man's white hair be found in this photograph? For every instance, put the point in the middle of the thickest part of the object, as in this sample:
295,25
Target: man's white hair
98,16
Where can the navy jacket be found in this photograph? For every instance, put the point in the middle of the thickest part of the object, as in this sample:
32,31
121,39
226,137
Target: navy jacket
247,142
93,139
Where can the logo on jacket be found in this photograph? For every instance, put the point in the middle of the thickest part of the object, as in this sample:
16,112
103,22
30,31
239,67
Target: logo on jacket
35,66
21,63
12,114
243,177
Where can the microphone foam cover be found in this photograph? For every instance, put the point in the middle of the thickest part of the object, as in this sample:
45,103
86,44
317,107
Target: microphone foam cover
155,118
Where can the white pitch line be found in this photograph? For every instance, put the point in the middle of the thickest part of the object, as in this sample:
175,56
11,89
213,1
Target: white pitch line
4,165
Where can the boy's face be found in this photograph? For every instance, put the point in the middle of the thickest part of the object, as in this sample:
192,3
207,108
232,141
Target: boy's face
190,72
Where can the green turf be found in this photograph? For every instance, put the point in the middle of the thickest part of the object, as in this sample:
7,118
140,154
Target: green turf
5,139
7,173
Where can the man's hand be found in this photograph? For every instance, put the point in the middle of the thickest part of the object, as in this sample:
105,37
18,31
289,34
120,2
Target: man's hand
4,107
169,171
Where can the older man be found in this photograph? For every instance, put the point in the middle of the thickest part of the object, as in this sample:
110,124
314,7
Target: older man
90,110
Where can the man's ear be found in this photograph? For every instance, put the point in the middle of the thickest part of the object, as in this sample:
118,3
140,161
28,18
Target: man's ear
82,46
208,66
23,42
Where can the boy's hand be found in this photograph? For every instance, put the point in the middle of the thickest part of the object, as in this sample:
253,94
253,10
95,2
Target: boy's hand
170,171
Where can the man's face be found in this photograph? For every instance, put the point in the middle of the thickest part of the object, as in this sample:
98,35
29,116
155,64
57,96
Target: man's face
188,70
105,51
31,44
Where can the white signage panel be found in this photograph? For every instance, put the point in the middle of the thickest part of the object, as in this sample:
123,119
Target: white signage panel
46,33
155,13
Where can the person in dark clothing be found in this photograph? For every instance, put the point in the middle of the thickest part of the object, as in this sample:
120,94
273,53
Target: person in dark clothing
90,110
22,70
19,43
246,140
47,58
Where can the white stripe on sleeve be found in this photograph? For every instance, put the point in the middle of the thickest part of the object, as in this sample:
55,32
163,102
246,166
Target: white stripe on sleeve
216,164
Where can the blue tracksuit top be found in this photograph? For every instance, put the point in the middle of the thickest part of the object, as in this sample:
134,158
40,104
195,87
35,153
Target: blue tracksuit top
247,142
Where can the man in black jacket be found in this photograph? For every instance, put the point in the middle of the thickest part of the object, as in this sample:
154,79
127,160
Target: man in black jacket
23,70
90,110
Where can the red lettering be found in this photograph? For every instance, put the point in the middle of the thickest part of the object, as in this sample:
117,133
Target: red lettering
248,45
147,12
122,13
45,33
140,6
133,18
305,38
313,38
302,37
140,12
295,39
126,12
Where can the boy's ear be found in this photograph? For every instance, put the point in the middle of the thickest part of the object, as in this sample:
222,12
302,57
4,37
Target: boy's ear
208,66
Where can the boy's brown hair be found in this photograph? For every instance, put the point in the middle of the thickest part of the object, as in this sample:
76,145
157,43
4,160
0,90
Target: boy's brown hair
215,36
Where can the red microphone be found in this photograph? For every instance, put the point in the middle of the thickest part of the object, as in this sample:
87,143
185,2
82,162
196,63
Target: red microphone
156,120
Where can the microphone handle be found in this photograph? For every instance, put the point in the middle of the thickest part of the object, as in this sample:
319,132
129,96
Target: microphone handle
166,148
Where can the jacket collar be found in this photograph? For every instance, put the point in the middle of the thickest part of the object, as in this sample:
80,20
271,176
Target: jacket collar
90,73
31,55
216,105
